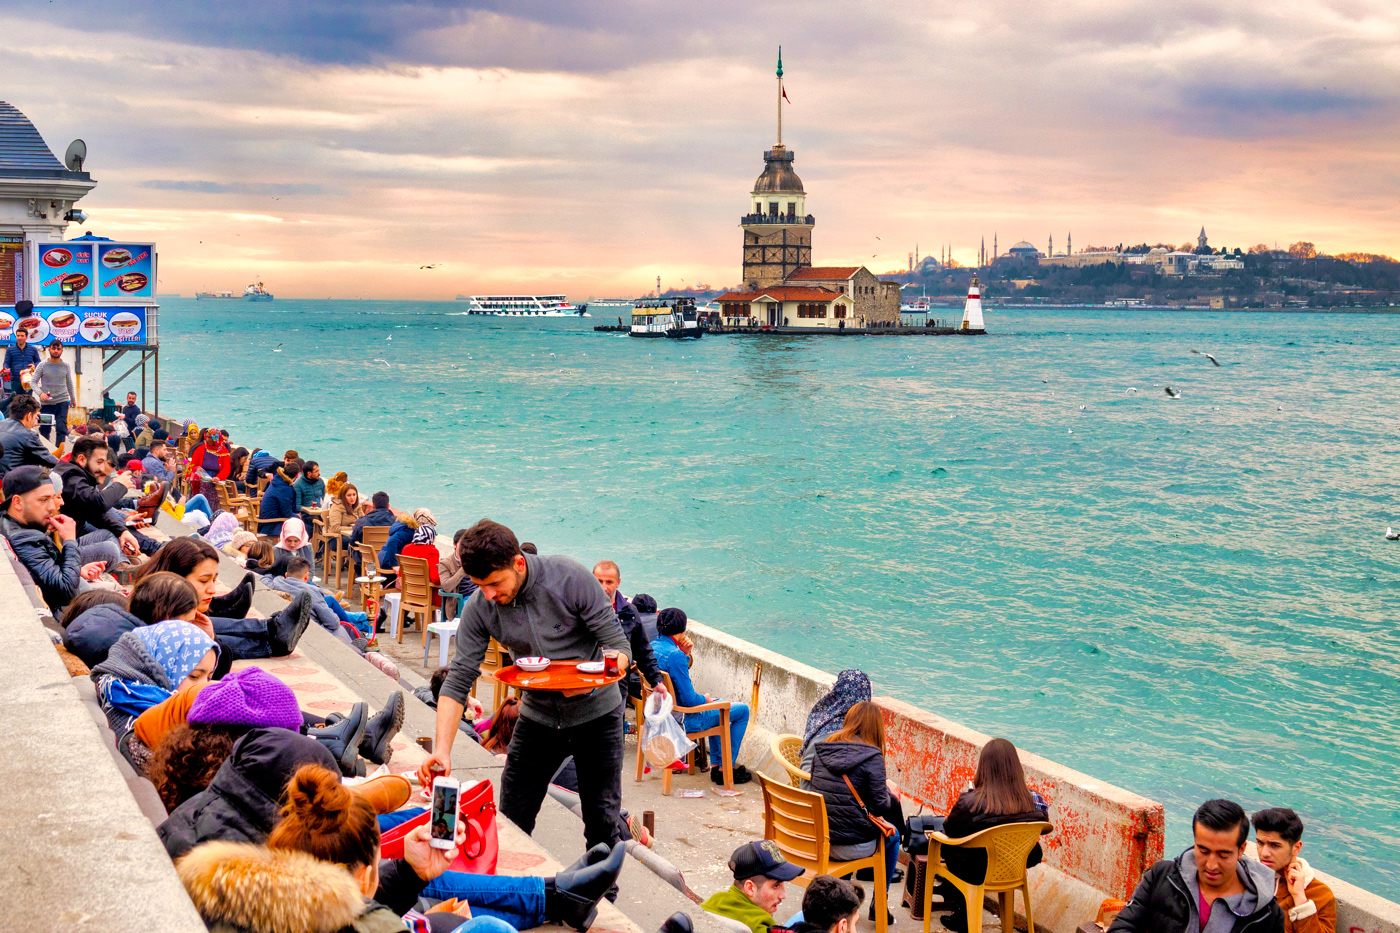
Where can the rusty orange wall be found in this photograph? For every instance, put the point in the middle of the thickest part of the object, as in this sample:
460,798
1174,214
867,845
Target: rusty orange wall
1104,836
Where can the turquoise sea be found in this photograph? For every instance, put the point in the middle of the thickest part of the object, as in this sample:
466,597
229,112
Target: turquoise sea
1188,598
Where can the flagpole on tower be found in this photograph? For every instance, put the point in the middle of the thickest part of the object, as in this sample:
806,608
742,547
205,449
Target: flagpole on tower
780,95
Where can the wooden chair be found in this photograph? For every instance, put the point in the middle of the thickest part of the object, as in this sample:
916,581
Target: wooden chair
795,819
494,660
230,501
721,730
787,751
416,587
335,556
1007,848
372,541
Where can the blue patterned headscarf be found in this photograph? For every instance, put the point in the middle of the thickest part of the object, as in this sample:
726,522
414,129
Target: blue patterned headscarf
176,646
852,687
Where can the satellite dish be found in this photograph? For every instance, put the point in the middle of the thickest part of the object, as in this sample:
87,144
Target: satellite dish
75,156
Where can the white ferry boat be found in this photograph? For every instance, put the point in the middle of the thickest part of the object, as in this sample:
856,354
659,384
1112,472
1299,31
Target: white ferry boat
256,292
524,306
666,317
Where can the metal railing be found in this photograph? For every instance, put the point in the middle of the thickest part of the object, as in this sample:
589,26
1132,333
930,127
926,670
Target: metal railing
809,220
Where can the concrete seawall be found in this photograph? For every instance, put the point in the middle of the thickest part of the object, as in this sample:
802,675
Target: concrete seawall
1105,837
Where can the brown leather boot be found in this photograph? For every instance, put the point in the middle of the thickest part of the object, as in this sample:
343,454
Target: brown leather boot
385,793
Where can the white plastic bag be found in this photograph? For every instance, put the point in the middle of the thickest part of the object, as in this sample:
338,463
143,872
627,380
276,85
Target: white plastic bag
663,740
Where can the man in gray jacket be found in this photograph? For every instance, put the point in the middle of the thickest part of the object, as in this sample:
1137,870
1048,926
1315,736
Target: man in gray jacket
549,607
54,381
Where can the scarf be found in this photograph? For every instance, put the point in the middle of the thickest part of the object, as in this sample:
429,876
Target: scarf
222,529
176,646
851,687
292,528
142,420
426,533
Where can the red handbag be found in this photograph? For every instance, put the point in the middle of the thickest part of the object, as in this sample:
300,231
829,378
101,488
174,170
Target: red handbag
477,810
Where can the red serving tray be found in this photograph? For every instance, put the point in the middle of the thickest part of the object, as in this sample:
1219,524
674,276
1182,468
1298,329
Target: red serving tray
560,677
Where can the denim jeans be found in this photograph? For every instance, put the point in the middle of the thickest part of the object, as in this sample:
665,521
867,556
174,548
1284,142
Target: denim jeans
200,504
867,849
536,751
738,725
100,545
482,924
244,638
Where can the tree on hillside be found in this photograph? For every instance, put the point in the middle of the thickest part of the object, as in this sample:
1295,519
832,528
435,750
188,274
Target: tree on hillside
1260,248
1302,250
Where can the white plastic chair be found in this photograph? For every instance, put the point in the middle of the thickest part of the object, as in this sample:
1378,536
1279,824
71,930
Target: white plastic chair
445,632
391,606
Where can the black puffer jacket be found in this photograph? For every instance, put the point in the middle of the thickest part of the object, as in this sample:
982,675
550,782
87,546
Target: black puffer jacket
22,447
88,505
241,804
1162,902
865,766
91,635
55,572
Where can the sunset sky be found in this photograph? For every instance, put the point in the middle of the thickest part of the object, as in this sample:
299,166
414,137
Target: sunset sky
333,148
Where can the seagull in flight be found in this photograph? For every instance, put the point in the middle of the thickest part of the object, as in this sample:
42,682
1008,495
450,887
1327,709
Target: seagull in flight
433,266
385,362
277,349
1171,393
1207,356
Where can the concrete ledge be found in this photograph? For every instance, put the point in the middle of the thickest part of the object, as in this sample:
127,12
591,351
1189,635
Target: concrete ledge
78,852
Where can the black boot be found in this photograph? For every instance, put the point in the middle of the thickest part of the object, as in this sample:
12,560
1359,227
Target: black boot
382,728
889,917
236,602
592,857
742,775
678,922
286,626
572,896
343,739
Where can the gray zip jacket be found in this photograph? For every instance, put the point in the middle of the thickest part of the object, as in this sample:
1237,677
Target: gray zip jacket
55,378
560,613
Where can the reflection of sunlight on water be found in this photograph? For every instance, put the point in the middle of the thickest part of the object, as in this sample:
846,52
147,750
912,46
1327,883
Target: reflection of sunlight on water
1181,600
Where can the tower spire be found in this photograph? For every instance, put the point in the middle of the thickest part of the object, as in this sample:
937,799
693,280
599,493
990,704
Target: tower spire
780,95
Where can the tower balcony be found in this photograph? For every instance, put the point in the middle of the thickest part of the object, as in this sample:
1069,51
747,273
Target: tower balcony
778,219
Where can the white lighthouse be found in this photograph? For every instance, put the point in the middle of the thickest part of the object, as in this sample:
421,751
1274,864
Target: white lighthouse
972,311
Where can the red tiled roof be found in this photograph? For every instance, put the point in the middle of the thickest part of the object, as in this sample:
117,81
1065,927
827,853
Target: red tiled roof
783,293
824,272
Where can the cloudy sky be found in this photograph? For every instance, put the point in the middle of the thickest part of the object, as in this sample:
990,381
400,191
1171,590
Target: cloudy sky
332,148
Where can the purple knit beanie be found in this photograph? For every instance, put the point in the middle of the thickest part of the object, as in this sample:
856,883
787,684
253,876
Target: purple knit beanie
251,697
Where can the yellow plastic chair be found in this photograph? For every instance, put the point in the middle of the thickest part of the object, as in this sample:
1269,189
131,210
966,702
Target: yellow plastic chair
1008,847
795,819
787,751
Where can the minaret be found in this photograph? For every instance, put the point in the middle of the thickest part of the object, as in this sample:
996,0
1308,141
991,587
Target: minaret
994,247
1069,243
777,228
982,254
1052,246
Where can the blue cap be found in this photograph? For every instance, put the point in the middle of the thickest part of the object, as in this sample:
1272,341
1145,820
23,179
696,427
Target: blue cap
762,858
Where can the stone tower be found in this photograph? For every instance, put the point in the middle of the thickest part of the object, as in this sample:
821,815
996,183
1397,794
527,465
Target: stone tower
777,229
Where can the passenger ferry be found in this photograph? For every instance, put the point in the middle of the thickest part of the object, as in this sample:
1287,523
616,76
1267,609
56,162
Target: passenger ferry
524,306
666,317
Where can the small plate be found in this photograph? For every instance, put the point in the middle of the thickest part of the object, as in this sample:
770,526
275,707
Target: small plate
532,664
590,667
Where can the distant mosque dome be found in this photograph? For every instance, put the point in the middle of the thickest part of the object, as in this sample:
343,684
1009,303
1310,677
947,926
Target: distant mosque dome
1023,249
1157,251
778,176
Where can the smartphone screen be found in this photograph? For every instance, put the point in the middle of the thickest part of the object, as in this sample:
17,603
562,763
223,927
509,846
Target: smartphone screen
444,815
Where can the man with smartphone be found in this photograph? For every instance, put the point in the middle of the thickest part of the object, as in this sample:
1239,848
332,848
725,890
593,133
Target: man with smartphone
550,607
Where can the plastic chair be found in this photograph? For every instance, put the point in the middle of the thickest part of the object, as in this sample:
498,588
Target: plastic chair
721,730
415,583
1007,847
444,630
787,751
493,661
372,541
795,819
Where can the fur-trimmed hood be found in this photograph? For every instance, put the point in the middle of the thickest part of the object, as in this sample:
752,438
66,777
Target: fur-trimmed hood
245,887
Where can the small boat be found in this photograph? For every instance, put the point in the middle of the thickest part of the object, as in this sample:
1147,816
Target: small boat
524,306
666,317
256,292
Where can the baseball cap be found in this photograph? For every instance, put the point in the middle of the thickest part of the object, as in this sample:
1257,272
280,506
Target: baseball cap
761,858
24,479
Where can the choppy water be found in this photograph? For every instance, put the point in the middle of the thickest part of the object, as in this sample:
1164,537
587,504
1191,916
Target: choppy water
1187,598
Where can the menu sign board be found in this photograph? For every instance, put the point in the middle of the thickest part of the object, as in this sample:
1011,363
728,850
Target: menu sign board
77,326
125,270
67,263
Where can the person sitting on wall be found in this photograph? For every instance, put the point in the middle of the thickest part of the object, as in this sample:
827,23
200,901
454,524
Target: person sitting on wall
761,874
327,612
831,905
671,623
1212,887
998,795
19,433
1308,905
30,521
607,574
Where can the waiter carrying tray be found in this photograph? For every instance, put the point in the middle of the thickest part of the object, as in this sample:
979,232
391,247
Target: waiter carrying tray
549,607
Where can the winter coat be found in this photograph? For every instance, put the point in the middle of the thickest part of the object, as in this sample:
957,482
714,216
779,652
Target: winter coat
279,503
260,464
865,766
1318,914
129,413
450,572
243,801
1165,901
373,517
242,888
428,552
400,534
55,571
309,495
971,864
88,505
91,635
212,460
670,659
339,520
17,360
641,645
23,447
